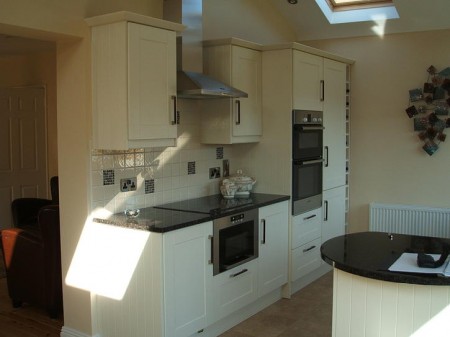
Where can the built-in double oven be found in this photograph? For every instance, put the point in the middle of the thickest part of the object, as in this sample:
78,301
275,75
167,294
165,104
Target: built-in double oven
307,160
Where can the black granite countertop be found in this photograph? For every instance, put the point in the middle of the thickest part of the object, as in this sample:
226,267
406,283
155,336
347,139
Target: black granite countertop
370,254
176,215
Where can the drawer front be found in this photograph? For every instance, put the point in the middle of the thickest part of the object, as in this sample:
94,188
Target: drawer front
305,259
232,290
306,227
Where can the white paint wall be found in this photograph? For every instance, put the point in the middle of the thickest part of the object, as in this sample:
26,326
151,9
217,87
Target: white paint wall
387,162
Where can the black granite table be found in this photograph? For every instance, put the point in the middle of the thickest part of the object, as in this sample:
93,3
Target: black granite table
370,254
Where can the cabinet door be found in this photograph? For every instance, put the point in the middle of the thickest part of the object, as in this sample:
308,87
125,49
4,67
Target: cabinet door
187,276
333,223
273,247
307,81
232,290
334,138
246,76
151,83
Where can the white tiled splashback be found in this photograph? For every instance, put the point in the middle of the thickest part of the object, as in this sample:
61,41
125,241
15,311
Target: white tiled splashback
163,174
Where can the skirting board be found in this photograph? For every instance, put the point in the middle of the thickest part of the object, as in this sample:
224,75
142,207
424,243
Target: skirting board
69,332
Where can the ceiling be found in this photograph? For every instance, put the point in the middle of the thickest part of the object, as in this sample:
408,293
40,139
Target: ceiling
309,23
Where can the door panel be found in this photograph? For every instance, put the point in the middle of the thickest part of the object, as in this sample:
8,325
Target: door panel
23,147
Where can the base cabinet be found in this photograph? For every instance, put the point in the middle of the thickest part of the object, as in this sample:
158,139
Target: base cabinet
232,290
333,223
187,278
273,247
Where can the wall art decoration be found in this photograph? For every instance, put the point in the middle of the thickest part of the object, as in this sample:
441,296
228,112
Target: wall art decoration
429,109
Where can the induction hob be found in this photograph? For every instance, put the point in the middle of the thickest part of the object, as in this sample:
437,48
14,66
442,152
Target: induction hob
213,205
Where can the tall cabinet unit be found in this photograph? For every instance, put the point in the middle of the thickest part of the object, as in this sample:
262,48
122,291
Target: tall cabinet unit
133,81
233,120
300,77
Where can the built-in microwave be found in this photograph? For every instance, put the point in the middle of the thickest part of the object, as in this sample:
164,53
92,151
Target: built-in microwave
234,240
307,160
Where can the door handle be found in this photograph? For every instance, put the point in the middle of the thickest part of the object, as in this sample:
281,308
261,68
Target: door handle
174,120
238,112
327,156
263,241
310,217
211,260
239,273
308,249
322,90
326,210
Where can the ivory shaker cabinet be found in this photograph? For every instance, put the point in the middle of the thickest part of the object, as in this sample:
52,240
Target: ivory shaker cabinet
233,120
133,81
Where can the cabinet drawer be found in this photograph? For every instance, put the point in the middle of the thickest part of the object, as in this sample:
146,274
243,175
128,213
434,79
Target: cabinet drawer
305,259
232,290
306,227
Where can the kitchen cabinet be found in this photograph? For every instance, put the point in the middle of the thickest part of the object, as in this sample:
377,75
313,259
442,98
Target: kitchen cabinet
233,120
305,243
308,81
187,279
273,247
333,223
133,82
232,290
334,121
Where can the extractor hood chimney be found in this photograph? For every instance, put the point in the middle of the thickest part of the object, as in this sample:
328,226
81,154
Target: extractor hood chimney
191,82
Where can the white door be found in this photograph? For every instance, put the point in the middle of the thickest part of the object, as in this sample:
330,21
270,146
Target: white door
23,147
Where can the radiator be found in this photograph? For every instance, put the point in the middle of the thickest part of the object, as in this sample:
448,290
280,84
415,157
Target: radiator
413,220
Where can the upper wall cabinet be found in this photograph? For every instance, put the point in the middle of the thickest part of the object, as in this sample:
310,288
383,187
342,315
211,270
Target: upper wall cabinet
308,82
133,81
238,64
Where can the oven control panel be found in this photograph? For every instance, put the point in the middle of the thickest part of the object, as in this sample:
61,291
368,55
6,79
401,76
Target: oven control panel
237,218
306,117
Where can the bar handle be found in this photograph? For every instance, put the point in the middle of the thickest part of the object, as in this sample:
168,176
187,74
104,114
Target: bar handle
239,273
322,90
327,156
308,249
211,238
326,210
263,241
174,120
238,112
310,217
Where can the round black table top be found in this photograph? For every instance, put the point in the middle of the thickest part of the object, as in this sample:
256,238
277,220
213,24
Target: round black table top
370,254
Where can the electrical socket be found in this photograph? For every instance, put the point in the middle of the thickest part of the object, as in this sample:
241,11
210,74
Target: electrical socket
128,184
214,172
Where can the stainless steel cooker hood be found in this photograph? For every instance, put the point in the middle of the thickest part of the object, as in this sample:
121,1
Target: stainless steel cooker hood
191,83
195,85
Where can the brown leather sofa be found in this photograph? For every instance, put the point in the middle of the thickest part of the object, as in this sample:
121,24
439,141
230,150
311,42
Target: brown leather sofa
32,255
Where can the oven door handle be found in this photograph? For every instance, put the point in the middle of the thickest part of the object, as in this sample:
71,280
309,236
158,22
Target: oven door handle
308,162
211,238
309,127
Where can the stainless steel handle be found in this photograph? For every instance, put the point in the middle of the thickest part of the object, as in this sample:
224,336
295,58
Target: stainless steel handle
211,260
174,120
263,241
239,273
238,112
308,162
322,90
327,156
311,128
326,210
308,249
310,217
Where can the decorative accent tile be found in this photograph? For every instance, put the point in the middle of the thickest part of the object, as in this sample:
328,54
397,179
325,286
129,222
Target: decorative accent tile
108,177
149,186
191,167
219,152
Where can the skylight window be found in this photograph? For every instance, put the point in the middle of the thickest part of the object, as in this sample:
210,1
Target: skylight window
344,11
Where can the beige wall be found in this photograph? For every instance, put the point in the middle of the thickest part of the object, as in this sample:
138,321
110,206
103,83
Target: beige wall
387,162
61,21
253,20
30,70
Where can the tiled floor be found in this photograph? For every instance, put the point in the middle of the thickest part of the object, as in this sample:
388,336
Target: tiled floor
307,314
